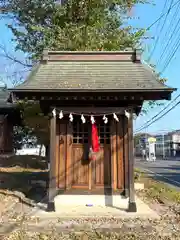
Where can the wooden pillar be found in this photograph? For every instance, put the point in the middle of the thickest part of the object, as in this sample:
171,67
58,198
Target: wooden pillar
126,156
113,155
132,204
52,171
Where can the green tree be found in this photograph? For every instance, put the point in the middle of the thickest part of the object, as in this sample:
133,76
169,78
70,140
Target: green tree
35,124
75,25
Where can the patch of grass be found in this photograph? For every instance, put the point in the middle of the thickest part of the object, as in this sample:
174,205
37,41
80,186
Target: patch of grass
157,190
161,191
137,170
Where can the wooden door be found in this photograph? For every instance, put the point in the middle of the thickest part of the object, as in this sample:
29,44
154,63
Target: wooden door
75,170
101,170
91,173
80,153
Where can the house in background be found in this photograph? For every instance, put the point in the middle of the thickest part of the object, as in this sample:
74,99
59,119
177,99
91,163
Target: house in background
168,144
76,88
141,143
9,116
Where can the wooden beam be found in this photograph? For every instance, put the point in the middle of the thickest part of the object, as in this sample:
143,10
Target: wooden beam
125,156
132,204
52,191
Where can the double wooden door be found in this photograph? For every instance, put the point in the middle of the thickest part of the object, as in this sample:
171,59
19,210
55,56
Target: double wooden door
74,168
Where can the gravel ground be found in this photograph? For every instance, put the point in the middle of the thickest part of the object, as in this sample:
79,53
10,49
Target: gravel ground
16,226
165,228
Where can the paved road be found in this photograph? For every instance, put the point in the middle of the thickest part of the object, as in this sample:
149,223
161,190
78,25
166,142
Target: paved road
166,171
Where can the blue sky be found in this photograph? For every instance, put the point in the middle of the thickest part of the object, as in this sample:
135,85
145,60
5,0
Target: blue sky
147,14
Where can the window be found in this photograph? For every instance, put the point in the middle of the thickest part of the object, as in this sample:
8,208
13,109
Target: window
82,132
104,133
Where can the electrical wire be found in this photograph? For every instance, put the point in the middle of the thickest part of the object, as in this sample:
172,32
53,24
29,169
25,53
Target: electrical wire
171,24
159,117
172,54
160,111
158,35
176,29
152,120
161,16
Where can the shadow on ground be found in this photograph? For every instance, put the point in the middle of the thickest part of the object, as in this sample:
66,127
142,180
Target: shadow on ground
24,176
24,161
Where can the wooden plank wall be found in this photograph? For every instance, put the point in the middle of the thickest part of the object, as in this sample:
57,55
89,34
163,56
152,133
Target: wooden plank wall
119,153
61,155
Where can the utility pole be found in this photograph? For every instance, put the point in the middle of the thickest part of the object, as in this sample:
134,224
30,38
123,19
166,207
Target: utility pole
163,146
147,147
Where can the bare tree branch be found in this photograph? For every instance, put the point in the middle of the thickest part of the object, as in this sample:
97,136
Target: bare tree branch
9,56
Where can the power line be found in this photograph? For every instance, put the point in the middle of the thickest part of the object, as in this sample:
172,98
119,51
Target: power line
162,54
171,36
175,49
162,15
157,39
171,24
145,125
160,116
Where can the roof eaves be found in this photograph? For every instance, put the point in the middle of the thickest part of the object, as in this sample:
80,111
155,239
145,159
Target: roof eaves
93,90
150,69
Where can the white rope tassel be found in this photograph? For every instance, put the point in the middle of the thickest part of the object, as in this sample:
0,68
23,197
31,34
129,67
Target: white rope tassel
127,114
61,115
54,112
105,119
115,117
83,118
92,120
70,117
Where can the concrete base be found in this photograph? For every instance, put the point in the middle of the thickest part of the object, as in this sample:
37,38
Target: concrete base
95,206
90,200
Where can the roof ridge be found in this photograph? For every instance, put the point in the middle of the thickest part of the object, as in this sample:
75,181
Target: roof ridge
127,50
129,54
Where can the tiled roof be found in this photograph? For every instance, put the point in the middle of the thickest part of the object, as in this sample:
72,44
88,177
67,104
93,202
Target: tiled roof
68,72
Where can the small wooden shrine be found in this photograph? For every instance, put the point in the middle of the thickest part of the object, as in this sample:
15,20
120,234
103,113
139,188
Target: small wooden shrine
92,97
